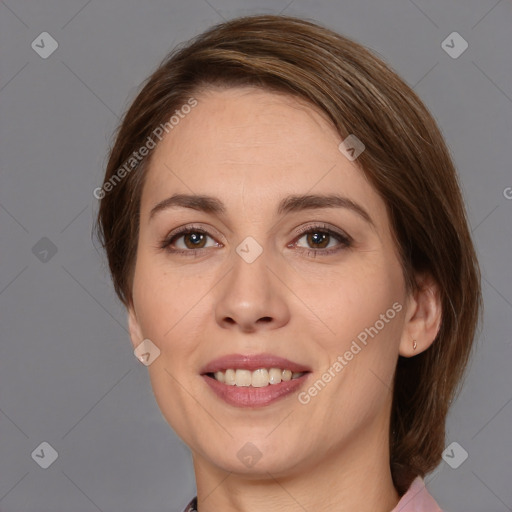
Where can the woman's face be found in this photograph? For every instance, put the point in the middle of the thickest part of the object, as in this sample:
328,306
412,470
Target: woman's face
263,276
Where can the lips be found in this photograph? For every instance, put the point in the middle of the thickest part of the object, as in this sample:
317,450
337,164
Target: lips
252,362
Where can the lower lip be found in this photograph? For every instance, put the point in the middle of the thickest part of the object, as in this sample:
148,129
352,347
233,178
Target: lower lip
247,396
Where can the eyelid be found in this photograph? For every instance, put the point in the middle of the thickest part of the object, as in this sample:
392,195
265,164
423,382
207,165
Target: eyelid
194,227
322,226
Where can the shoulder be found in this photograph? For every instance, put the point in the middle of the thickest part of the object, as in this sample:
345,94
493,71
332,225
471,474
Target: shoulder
417,499
192,506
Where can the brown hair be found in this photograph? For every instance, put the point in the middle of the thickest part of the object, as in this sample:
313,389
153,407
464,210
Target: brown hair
405,159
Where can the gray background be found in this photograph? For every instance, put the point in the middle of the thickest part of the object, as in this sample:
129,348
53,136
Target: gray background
68,375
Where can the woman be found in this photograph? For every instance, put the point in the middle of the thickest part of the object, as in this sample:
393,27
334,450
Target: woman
284,224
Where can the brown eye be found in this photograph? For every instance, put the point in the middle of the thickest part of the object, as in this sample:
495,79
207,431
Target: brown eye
322,240
194,240
318,239
187,240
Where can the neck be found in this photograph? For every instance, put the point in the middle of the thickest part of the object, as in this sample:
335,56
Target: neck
354,476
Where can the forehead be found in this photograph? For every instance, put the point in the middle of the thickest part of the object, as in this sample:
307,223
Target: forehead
255,143
236,124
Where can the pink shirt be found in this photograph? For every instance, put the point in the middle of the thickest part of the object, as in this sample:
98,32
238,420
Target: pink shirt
416,499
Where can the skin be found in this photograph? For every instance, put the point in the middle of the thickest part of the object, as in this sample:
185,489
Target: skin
250,148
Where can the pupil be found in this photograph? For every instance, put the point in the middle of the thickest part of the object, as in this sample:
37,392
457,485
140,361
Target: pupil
318,238
195,238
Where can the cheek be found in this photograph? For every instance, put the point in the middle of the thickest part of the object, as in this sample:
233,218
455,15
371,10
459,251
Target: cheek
169,303
352,298
365,314
362,309
156,305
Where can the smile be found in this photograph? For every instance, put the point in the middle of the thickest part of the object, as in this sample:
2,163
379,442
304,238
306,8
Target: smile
257,379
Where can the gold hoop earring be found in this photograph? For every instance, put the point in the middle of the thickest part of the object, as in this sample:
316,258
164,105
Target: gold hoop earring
414,344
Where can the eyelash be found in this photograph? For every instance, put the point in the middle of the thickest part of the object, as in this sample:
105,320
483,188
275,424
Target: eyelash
345,240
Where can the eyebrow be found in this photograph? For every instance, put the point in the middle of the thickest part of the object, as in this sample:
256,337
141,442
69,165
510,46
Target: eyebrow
292,203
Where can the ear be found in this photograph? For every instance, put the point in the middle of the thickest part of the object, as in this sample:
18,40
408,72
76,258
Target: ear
422,317
134,327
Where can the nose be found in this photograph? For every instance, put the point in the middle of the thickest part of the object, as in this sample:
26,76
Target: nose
252,298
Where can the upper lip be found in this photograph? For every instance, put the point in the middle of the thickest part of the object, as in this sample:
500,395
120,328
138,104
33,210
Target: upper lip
252,362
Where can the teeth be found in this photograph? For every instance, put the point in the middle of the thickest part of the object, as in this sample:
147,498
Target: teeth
257,379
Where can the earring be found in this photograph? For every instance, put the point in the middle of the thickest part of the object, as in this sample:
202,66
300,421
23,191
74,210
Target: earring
414,344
